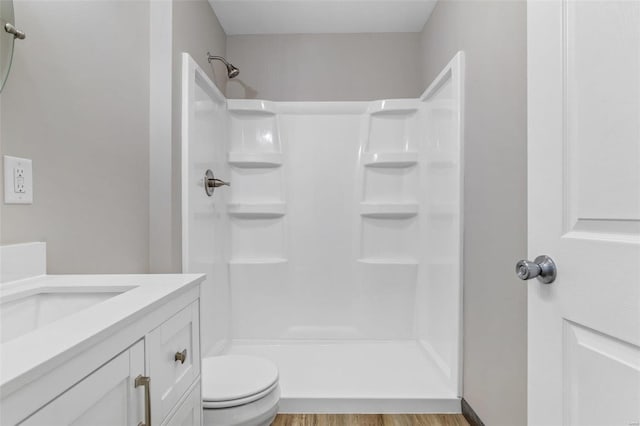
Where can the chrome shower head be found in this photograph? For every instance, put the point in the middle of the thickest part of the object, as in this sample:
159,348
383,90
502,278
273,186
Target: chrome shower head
232,71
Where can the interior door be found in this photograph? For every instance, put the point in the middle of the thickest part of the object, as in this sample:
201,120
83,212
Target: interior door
584,212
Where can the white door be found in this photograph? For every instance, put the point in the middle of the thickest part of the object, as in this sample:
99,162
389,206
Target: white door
107,397
584,212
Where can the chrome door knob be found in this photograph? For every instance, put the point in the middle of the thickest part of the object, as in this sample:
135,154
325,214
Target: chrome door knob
543,268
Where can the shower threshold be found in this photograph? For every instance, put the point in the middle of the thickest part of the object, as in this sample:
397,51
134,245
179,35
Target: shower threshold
355,377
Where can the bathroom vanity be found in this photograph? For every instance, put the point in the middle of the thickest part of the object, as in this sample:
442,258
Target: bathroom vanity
100,350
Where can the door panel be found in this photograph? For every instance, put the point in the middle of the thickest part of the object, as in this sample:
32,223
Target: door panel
602,104
599,371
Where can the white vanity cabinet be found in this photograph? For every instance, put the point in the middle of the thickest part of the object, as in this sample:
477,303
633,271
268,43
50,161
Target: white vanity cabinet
103,381
107,397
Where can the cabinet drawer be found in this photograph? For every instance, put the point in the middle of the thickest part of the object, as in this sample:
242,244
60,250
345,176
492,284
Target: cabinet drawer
189,413
172,376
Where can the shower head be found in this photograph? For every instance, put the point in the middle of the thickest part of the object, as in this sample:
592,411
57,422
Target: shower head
231,70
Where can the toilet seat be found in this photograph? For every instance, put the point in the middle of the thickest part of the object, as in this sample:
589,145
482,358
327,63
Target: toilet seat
234,380
238,402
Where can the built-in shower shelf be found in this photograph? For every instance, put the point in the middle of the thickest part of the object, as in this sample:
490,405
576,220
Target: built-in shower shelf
394,107
256,211
258,261
390,159
387,261
441,164
255,160
251,107
388,210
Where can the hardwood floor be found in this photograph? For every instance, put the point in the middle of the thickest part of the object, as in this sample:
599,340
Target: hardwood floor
370,420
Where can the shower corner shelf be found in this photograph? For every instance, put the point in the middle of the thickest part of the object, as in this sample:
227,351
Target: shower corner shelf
255,160
256,211
389,210
390,159
393,107
251,107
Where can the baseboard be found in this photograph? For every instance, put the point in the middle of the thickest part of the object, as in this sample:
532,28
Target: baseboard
470,415
289,405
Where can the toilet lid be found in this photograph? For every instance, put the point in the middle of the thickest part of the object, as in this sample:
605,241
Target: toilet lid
234,377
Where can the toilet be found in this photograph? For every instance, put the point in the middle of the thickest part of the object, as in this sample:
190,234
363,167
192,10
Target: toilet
239,390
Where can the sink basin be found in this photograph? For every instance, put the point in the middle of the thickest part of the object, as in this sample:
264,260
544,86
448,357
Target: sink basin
24,312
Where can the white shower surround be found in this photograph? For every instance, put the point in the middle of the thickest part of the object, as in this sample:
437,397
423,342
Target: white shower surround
337,250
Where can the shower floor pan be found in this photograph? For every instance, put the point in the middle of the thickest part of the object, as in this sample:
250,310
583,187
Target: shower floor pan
355,377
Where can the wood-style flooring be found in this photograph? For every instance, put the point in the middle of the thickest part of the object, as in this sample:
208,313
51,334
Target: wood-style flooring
370,420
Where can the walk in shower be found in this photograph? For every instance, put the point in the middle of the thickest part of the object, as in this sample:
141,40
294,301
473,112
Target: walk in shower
336,250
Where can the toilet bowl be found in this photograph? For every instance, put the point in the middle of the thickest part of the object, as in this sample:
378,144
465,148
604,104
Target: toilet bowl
239,390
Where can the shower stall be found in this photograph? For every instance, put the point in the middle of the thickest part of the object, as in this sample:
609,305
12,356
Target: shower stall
336,251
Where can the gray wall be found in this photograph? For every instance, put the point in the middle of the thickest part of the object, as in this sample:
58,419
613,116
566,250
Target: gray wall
493,36
325,67
77,103
196,30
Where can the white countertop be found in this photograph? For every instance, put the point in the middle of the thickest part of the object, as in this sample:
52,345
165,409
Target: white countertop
26,357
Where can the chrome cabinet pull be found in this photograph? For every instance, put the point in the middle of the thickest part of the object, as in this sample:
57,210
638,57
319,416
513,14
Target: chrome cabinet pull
543,268
180,356
146,382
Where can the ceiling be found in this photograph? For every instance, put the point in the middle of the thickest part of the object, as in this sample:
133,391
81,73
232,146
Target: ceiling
321,16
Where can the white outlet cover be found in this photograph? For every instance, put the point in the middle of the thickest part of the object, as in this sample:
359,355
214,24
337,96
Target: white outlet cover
10,194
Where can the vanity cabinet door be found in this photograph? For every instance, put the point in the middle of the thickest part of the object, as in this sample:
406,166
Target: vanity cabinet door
189,413
173,350
107,397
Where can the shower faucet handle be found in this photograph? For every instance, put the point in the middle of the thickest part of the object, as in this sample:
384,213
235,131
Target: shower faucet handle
218,183
211,183
16,33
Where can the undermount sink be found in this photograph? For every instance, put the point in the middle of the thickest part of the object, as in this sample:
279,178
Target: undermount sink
26,311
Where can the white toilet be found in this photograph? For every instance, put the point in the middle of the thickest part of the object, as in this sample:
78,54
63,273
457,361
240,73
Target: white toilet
239,390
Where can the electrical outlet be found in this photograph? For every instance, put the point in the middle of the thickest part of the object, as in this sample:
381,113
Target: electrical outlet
18,180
